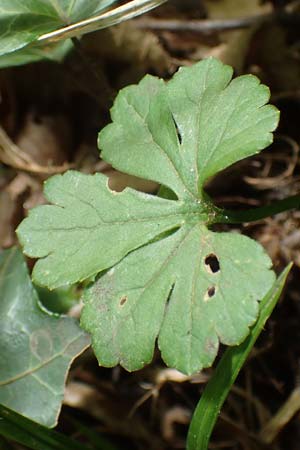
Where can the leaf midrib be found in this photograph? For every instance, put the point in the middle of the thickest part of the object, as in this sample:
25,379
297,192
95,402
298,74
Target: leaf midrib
154,219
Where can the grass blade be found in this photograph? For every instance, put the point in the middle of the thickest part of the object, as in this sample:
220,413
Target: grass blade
18,428
117,15
97,440
217,389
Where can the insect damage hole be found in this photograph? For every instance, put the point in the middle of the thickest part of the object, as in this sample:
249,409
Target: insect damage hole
209,293
212,263
123,300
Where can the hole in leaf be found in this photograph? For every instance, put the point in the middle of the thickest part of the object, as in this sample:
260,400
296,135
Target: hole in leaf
209,293
123,300
212,263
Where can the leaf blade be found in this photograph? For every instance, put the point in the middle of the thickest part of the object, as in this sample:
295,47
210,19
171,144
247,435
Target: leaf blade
217,108
162,132
154,151
86,212
196,125
23,22
34,53
128,308
36,347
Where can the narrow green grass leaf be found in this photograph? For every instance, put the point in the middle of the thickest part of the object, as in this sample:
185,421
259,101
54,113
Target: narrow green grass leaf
4,444
37,437
98,441
126,11
217,389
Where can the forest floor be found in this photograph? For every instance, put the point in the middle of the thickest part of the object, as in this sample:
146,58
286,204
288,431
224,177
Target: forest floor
50,117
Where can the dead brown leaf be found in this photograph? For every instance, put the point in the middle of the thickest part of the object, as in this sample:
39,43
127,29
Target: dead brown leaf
15,157
45,139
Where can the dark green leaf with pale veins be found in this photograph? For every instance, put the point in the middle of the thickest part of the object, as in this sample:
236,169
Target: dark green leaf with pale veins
173,279
36,347
23,21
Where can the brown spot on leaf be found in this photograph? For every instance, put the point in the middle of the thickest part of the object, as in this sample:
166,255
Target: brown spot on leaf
123,300
209,293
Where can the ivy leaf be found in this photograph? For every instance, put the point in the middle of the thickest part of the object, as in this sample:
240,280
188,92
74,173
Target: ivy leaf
22,22
44,22
36,347
174,279
33,53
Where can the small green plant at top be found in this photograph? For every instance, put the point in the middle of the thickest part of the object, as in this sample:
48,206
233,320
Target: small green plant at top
163,274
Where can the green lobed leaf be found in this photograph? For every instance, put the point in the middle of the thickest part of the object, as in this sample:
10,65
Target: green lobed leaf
219,122
89,228
125,310
177,280
36,347
22,22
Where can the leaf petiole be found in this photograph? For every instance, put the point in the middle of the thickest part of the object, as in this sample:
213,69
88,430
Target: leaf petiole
255,214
